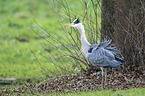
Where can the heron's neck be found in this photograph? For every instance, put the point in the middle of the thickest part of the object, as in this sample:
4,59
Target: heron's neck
84,42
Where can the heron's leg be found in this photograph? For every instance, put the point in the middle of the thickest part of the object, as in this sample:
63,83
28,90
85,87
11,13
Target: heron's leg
105,76
102,75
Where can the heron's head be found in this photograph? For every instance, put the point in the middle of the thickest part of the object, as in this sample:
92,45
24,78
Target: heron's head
75,23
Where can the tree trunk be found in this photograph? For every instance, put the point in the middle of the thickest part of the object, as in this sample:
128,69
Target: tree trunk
123,21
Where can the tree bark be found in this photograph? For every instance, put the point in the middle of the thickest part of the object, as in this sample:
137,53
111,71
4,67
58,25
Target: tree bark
123,21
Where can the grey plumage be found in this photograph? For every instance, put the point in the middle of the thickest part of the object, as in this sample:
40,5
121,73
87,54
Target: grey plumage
105,55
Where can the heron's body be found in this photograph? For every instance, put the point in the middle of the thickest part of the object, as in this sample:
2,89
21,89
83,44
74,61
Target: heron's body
103,54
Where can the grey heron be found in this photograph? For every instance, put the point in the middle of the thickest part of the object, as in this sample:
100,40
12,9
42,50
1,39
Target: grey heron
104,54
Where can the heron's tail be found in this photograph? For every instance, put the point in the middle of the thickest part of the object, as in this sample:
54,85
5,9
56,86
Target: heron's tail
119,59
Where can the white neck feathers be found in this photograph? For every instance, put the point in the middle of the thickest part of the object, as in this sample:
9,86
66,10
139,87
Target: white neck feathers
84,42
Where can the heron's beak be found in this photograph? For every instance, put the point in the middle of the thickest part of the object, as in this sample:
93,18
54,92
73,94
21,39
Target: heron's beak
67,24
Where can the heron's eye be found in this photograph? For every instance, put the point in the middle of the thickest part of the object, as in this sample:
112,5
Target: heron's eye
77,21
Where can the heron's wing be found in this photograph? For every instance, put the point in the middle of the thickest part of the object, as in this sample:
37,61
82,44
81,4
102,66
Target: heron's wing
103,54
108,47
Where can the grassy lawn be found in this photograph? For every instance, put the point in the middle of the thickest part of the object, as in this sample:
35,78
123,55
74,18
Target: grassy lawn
17,21
20,41
22,50
130,92
17,60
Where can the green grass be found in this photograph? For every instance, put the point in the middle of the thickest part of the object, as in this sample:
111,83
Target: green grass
130,92
18,18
